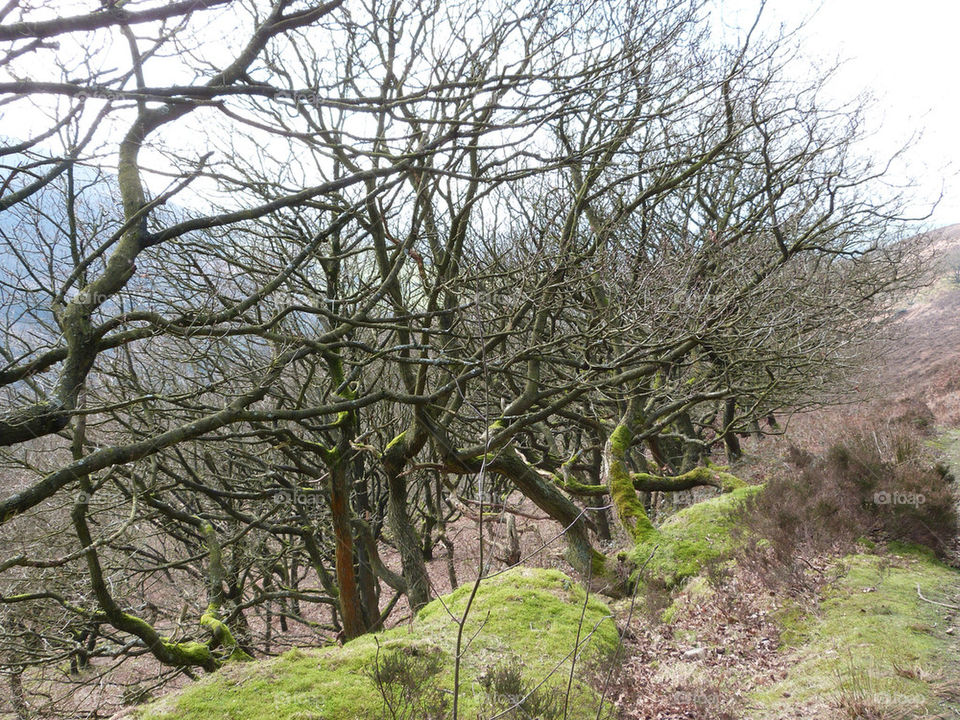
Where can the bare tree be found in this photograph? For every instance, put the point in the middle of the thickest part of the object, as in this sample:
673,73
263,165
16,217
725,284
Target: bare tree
347,261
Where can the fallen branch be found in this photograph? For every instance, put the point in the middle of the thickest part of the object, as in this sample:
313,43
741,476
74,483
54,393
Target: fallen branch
934,602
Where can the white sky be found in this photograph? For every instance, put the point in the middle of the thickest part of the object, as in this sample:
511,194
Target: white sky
906,52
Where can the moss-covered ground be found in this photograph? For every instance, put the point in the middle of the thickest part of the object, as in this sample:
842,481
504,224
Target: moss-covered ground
525,618
875,648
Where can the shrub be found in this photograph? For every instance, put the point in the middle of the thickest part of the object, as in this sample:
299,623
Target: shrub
406,680
506,688
883,484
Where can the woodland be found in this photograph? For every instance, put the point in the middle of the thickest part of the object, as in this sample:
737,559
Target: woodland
291,290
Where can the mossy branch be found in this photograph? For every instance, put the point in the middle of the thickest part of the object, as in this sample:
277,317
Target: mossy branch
707,476
629,510
222,637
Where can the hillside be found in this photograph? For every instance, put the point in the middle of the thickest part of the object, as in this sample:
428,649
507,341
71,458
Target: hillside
869,630
871,633
323,322
523,636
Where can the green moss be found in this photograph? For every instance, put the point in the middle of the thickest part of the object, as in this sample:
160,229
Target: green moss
525,613
629,508
729,482
396,441
692,539
873,636
633,518
921,552
620,439
211,620
792,621
485,457
711,475
599,564
193,653
670,614
576,487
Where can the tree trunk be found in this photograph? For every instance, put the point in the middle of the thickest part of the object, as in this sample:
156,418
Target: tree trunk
629,510
351,612
730,440
408,541
692,449
366,569
18,698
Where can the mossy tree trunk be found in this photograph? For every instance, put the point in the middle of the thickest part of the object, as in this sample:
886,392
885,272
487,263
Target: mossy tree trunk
616,476
216,578
408,541
356,601
175,654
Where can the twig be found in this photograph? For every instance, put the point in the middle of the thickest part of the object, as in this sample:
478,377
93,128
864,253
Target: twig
934,602
504,508
576,645
379,681
811,566
616,654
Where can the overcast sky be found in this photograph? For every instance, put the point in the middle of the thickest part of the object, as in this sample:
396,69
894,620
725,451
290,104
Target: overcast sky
906,52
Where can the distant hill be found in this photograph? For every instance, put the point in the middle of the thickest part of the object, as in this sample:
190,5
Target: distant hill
924,362
35,248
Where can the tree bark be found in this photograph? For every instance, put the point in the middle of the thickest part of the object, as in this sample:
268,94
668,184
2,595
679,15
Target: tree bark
351,611
405,534
731,442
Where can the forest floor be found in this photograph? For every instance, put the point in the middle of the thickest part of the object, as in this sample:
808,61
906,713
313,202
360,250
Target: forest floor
873,637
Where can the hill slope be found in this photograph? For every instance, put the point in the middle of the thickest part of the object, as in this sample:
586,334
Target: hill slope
518,645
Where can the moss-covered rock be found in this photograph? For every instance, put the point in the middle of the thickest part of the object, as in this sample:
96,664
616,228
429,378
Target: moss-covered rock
526,617
691,539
